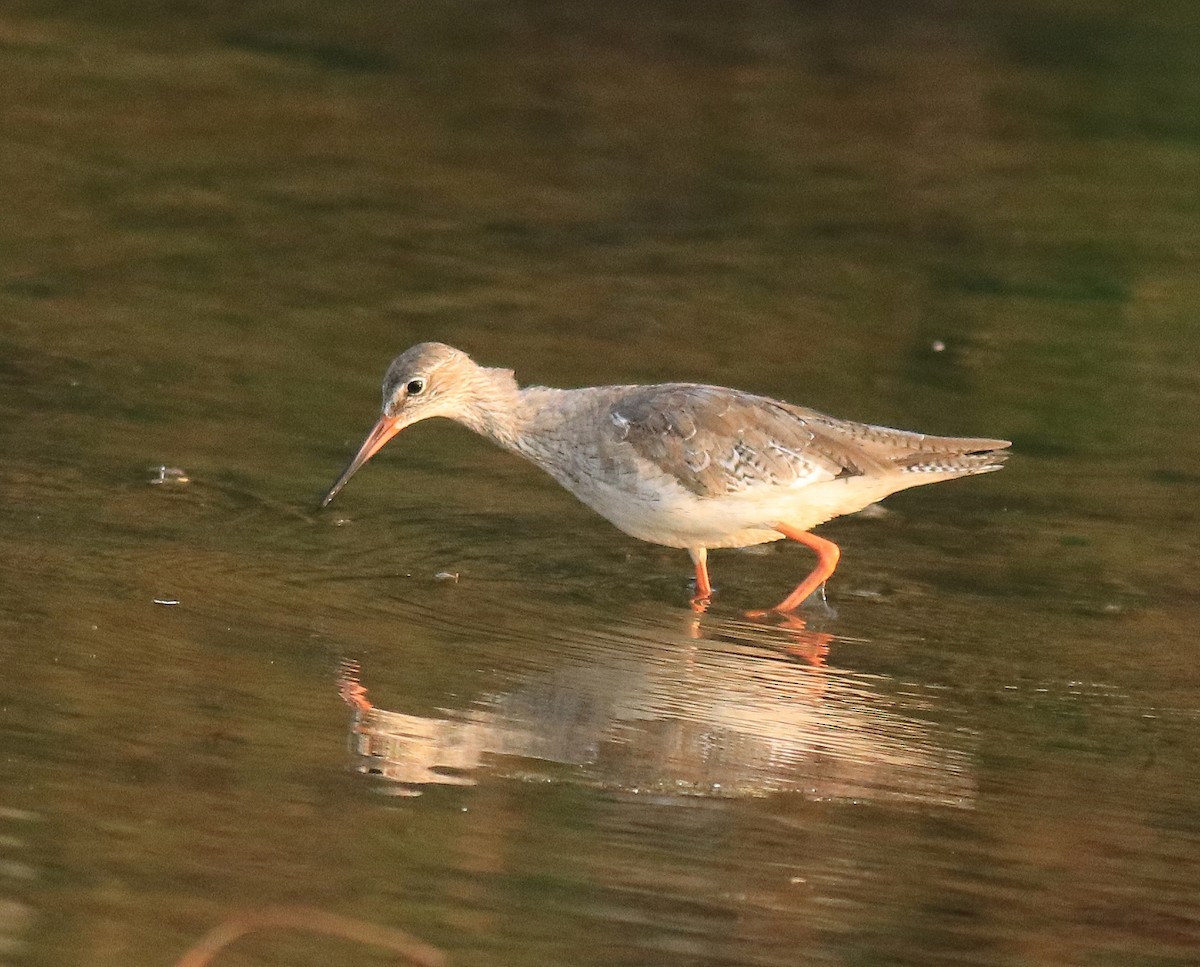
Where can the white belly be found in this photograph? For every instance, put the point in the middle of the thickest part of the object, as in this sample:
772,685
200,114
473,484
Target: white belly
676,517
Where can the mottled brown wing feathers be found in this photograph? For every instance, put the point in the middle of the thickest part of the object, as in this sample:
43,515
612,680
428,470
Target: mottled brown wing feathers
902,450
717,441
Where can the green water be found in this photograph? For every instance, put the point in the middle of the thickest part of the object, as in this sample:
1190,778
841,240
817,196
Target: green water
219,223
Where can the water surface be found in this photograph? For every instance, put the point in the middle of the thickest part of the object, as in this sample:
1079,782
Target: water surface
221,224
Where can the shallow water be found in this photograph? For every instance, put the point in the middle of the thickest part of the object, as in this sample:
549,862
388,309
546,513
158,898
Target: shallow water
220,227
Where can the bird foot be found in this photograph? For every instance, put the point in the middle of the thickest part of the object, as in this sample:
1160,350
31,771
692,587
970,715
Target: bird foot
815,601
700,600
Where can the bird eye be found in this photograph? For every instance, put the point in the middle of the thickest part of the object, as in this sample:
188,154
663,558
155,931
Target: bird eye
415,387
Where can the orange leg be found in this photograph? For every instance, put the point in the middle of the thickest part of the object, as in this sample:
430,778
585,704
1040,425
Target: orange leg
827,561
703,593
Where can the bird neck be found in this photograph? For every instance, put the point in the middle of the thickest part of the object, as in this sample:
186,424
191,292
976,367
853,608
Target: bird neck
494,407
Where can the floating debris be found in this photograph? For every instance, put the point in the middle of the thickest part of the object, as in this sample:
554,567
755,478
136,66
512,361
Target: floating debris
446,576
166,601
169,475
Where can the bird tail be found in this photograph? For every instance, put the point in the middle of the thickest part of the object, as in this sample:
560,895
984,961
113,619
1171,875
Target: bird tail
956,455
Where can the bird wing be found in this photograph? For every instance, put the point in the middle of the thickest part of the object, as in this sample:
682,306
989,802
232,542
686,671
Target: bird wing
904,451
717,441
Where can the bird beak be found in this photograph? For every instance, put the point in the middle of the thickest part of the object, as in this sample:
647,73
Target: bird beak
384,430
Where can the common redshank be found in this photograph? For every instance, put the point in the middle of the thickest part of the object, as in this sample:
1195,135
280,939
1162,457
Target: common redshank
679,464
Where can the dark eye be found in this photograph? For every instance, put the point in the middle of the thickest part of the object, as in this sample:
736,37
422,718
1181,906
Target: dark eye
415,387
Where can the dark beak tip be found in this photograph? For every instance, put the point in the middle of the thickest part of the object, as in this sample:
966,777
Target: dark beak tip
383,431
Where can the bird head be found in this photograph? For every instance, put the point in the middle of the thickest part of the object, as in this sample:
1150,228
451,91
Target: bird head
430,379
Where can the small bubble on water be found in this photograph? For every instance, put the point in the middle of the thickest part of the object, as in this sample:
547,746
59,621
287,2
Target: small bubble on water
164,475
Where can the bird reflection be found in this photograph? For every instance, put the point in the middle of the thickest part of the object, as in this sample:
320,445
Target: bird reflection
723,708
